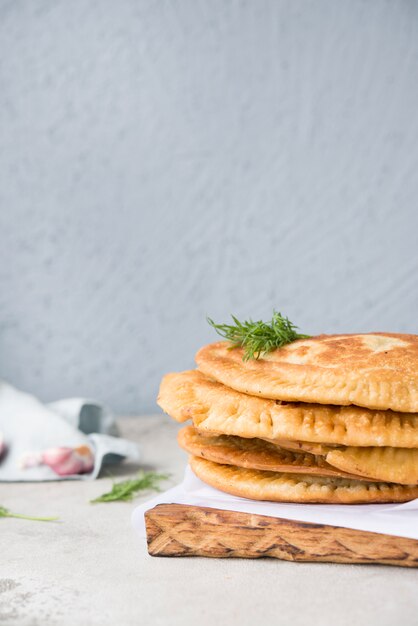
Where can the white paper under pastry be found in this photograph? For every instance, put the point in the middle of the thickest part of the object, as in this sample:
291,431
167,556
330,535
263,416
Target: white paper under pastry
388,519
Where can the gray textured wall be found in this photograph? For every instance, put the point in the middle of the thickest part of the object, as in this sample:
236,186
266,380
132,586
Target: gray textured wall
161,161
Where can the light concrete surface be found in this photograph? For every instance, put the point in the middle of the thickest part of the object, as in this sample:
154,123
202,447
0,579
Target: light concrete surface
91,569
163,161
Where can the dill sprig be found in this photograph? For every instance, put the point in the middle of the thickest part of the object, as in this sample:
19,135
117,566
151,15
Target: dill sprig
258,338
6,513
126,489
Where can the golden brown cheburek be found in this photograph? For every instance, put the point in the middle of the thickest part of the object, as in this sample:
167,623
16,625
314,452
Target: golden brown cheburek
375,370
396,465
287,487
215,408
255,454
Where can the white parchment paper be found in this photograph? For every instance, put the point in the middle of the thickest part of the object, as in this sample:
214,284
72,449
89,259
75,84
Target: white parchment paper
393,519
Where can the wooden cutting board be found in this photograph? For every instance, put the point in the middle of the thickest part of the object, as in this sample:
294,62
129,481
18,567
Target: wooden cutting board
183,530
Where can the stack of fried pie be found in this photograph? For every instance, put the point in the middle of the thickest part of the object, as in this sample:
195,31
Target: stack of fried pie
327,419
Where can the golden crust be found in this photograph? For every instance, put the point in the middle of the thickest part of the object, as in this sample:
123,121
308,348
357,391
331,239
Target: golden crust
397,465
284,487
254,454
215,408
376,370
318,449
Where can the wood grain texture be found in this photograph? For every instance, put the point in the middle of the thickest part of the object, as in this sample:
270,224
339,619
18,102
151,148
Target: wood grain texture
183,530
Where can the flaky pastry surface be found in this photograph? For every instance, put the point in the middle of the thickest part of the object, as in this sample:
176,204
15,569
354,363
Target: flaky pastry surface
300,488
215,408
397,465
376,370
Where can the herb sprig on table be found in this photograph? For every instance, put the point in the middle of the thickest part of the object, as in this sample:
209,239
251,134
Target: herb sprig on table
258,338
6,513
126,489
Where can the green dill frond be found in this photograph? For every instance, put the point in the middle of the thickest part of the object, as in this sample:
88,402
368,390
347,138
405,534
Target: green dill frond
258,338
126,489
6,513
